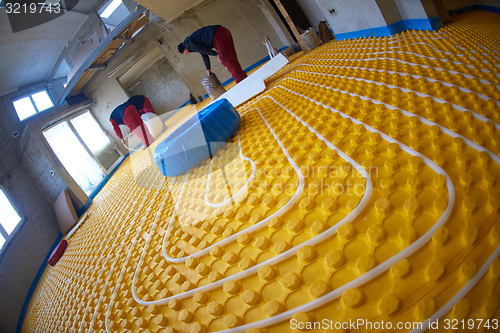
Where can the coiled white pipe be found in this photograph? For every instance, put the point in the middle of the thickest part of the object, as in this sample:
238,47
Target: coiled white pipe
315,240
383,266
238,194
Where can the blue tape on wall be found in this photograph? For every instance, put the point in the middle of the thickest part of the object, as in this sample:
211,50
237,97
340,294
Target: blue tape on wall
34,284
392,29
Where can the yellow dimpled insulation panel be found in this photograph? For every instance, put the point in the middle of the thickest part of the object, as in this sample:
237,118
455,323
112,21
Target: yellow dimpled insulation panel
360,193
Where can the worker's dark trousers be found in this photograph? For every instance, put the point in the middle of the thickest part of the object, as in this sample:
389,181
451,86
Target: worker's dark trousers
132,118
223,43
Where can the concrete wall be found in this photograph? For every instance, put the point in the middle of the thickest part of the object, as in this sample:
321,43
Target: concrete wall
389,10
162,85
493,3
22,257
277,24
457,4
430,9
352,15
411,9
313,12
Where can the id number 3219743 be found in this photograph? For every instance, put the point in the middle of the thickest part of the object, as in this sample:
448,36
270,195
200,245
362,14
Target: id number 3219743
32,8
471,324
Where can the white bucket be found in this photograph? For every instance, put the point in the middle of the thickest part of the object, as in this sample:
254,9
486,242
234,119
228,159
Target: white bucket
311,39
153,124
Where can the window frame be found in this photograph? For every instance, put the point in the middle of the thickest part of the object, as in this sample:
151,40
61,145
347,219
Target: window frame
68,119
33,102
14,205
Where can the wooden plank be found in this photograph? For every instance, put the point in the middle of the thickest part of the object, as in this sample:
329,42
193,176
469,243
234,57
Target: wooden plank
96,67
84,79
109,53
141,23
115,44
291,25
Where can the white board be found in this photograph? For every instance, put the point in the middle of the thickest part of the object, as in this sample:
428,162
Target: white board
254,83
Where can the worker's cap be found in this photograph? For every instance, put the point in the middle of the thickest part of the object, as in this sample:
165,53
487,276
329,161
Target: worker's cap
181,47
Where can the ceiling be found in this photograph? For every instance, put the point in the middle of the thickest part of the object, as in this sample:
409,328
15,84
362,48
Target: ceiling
168,9
28,56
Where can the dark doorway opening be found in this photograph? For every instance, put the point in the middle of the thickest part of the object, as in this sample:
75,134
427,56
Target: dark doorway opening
296,14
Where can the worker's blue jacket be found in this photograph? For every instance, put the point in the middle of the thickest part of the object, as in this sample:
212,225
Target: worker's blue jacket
202,41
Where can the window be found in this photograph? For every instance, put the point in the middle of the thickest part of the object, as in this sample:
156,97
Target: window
110,8
84,149
10,217
32,104
113,13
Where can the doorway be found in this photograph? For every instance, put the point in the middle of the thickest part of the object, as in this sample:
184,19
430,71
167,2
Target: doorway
296,13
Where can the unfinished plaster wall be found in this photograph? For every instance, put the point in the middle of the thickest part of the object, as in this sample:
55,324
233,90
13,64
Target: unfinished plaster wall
313,12
390,11
22,257
457,4
162,85
493,3
410,9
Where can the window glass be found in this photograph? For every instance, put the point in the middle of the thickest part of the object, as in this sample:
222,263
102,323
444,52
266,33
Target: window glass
75,158
2,241
110,8
95,139
9,218
24,108
30,105
42,101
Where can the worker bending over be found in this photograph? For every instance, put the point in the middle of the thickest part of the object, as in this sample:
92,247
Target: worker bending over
129,114
214,36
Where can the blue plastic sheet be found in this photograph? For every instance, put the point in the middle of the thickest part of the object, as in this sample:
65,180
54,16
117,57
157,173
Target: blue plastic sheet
198,138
